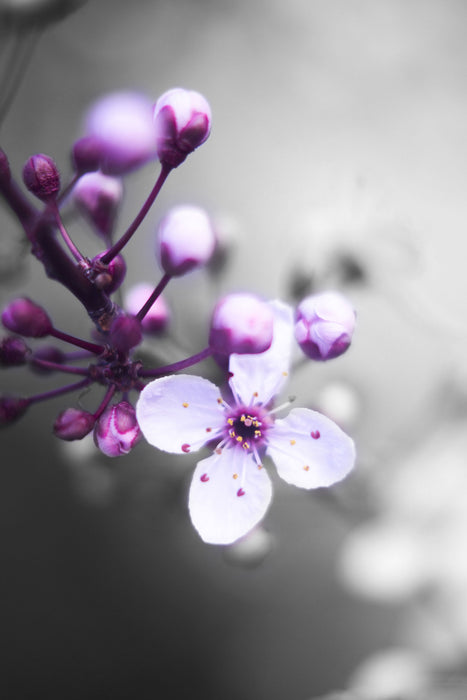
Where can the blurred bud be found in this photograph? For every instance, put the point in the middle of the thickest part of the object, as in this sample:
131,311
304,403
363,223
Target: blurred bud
392,673
73,424
251,550
186,240
108,277
158,316
86,154
5,173
241,323
37,12
11,409
324,325
98,197
125,333
40,175
49,353
183,122
26,318
122,124
13,352
117,431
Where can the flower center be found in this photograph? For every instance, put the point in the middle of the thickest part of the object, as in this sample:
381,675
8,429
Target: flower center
247,427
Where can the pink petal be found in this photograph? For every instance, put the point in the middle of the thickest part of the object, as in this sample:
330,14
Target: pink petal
265,373
310,450
229,495
180,413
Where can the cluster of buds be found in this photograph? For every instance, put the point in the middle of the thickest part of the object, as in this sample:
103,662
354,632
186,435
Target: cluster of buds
123,132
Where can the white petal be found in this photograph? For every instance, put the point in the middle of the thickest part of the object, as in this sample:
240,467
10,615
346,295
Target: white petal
179,413
265,373
309,450
229,495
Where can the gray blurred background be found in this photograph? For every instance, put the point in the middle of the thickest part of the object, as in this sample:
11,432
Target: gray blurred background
338,135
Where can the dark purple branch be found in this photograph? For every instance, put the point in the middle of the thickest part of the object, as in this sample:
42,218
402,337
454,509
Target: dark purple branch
156,293
176,366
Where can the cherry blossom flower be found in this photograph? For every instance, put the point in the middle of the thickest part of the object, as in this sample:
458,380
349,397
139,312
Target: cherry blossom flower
231,491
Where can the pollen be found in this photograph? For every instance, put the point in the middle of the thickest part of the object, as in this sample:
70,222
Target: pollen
239,438
260,466
219,400
293,442
285,374
306,468
234,476
246,445
185,404
230,421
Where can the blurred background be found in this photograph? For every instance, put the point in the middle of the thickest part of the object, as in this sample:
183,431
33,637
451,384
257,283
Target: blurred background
337,160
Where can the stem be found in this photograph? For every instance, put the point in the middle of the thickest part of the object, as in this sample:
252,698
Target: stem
46,364
156,293
19,204
79,257
176,366
105,402
117,247
62,390
92,347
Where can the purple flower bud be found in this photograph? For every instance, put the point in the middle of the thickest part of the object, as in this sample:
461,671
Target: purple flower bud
117,431
158,316
122,123
241,323
49,353
40,175
13,352
73,424
183,122
109,277
324,325
11,409
86,154
125,333
186,240
26,318
98,197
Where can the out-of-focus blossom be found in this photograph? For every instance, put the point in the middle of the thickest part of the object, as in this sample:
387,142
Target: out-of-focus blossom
182,120
231,491
98,197
390,674
157,317
186,239
13,351
241,323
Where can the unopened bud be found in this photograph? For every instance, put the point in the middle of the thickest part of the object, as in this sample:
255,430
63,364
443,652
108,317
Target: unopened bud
13,352
125,333
324,325
26,318
122,124
40,175
117,431
11,409
86,154
49,353
157,317
183,122
98,197
186,240
109,276
241,323
73,424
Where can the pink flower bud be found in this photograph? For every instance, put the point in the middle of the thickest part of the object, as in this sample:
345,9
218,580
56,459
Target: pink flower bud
13,352
241,323
122,123
324,325
109,277
11,409
117,431
98,197
125,333
186,240
40,175
158,316
73,424
183,122
26,318
86,154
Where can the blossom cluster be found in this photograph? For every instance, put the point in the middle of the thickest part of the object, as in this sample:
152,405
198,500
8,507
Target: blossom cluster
249,338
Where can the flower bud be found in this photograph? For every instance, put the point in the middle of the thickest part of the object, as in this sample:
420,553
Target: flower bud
186,240
73,424
40,175
11,409
158,316
122,124
117,431
86,154
324,325
13,352
241,323
49,353
26,318
183,122
125,333
98,197
109,277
